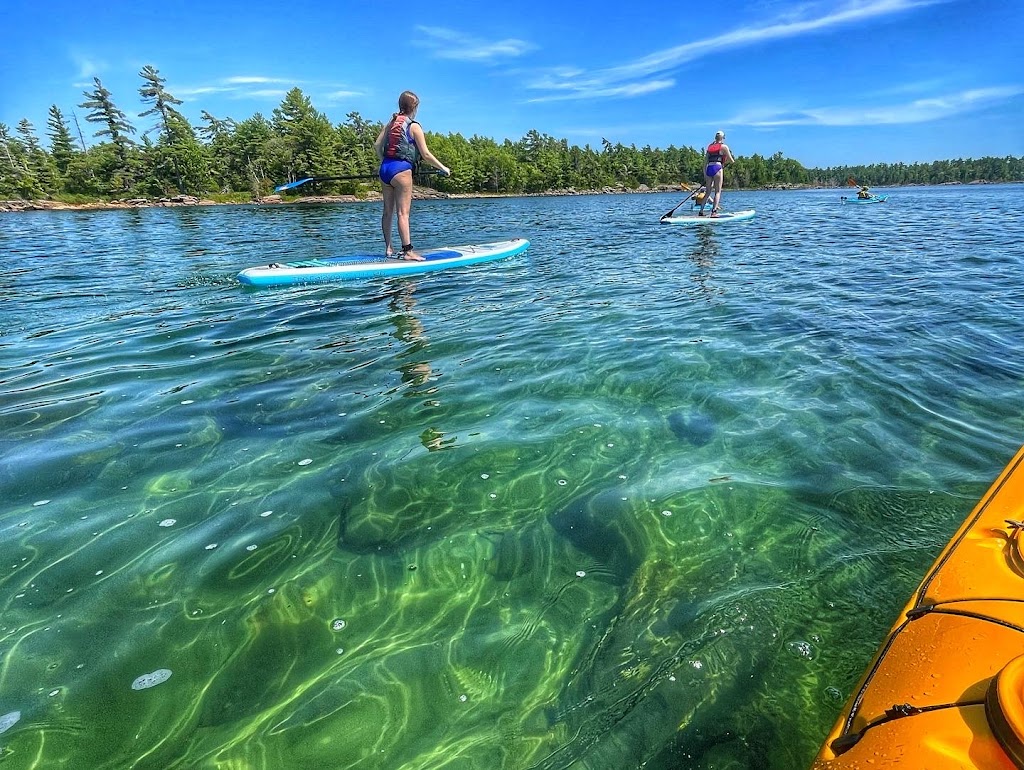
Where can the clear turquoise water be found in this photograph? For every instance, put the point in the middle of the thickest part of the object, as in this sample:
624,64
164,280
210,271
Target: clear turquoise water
647,495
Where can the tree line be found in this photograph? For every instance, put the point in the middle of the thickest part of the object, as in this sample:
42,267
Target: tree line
225,157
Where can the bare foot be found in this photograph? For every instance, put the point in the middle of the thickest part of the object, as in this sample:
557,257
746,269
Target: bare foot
389,252
412,256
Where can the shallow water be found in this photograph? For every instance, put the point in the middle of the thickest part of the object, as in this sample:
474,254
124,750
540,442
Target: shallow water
645,495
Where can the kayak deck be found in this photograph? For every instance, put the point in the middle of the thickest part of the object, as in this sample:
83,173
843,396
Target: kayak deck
946,688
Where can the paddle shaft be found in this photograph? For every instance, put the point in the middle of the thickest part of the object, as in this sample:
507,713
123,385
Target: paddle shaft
688,197
349,177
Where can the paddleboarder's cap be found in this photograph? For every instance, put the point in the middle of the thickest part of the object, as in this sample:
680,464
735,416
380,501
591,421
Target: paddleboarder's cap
719,134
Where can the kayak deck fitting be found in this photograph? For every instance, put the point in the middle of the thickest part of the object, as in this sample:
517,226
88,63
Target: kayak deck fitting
946,688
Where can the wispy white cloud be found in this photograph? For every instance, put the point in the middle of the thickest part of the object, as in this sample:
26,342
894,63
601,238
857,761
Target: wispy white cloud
260,93
446,43
238,87
259,87
342,95
625,89
912,87
253,80
202,90
595,132
916,111
644,73
87,67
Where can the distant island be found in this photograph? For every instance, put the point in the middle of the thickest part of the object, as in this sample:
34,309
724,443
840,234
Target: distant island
227,161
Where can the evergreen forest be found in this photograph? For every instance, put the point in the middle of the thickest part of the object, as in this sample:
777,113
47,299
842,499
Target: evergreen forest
162,154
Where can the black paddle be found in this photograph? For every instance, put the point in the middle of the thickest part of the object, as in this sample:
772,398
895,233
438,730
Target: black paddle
669,213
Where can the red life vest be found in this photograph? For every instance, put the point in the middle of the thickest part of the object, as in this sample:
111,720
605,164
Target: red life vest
398,141
715,154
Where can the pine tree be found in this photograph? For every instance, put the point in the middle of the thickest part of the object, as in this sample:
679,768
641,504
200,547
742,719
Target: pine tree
10,168
62,146
16,171
308,135
354,141
104,111
154,93
116,126
218,136
187,156
215,129
39,176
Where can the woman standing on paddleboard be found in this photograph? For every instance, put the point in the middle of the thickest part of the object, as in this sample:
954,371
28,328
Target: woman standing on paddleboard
400,145
715,158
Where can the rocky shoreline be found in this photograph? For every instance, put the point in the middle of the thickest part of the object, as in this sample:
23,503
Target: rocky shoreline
419,193
177,201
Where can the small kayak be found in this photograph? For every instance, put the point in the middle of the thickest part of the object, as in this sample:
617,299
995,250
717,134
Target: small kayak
707,219
872,199
355,266
946,688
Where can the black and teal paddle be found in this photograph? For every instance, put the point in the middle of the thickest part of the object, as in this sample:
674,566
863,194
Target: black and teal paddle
292,185
350,177
305,180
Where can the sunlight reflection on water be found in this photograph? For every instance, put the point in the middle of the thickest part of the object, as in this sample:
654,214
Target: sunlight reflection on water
644,494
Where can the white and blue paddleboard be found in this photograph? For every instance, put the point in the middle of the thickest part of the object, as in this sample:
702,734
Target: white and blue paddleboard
707,219
378,266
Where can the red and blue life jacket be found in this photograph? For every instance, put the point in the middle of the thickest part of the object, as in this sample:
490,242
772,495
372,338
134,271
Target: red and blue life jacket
398,141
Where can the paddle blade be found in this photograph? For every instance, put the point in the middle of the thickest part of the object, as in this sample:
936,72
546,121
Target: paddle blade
851,182
291,185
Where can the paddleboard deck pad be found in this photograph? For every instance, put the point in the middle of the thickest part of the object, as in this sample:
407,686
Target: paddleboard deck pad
355,266
707,219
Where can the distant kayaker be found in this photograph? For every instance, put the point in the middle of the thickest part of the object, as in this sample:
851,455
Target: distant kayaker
400,145
716,157
864,192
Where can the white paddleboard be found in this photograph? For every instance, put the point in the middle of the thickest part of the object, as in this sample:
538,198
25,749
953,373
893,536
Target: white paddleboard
707,219
378,266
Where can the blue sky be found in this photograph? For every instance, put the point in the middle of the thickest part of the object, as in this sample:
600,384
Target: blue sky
833,82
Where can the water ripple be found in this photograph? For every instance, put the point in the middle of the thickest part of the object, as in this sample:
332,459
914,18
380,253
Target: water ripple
569,506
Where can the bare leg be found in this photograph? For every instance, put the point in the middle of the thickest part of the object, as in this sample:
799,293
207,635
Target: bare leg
402,184
386,218
717,183
709,185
